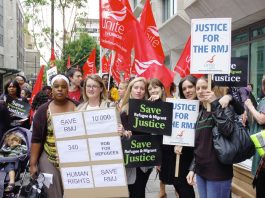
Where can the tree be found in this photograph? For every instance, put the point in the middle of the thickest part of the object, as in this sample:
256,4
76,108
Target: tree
79,50
41,32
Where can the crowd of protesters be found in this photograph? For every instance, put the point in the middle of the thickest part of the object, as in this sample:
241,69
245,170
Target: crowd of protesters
198,165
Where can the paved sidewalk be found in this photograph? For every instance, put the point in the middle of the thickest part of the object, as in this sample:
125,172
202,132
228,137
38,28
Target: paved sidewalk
152,187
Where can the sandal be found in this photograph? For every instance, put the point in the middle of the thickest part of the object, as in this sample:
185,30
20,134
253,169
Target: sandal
10,188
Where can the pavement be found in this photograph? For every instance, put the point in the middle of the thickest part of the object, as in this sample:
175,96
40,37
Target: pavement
152,188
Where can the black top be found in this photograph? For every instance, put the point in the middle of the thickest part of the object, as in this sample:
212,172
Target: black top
207,164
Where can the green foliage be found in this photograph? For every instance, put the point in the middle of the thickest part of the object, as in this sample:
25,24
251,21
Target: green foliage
79,50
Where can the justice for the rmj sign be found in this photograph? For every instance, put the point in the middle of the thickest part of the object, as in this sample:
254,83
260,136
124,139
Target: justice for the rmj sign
210,46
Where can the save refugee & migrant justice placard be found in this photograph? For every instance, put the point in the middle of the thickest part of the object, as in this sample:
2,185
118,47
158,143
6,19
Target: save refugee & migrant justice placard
90,159
238,75
150,117
142,150
18,108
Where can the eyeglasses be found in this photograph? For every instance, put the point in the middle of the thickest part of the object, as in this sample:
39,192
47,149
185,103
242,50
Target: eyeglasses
92,86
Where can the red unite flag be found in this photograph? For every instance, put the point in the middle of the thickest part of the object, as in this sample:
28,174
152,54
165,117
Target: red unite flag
148,63
148,24
115,26
183,64
90,65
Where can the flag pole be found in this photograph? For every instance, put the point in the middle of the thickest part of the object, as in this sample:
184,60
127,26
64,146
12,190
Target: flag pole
113,54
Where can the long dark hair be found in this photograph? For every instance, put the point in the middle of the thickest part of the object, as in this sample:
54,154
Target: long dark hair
189,78
16,85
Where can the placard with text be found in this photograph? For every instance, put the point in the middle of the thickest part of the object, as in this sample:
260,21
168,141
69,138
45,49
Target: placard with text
142,150
17,107
150,117
91,163
185,113
210,46
238,76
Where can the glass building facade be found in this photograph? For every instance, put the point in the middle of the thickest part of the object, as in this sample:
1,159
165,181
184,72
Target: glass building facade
249,42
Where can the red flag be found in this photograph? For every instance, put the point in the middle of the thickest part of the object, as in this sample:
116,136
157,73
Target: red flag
52,58
90,65
115,26
127,4
147,63
148,24
122,63
183,64
105,65
68,66
38,84
114,70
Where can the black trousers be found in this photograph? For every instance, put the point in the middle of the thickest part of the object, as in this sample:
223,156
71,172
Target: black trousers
183,189
260,185
137,190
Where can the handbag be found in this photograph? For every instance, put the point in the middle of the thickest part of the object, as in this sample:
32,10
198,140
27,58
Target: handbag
35,189
234,148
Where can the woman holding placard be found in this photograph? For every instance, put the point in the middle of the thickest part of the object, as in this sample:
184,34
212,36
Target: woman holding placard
167,169
212,177
136,177
44,157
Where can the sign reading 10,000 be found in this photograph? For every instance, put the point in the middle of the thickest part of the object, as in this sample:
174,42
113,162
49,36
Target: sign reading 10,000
97,118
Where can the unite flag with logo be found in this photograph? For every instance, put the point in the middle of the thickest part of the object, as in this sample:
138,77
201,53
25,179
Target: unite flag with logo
115,26
90,65
148,63
183,64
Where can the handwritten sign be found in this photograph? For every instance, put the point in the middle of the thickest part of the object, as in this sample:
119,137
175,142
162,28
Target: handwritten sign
110,175
150,117
101,121
142,150
107,148
210,46
72,151
77,177
68,125
185,113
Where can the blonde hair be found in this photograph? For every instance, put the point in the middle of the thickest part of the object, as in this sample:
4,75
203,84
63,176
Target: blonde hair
127,95
11,138
96,78
220,91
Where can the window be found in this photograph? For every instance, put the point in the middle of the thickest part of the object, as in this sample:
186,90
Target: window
169,9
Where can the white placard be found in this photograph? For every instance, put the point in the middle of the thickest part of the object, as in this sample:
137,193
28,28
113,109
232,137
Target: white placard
210,46
73,151
109,175
185,113
68,125
77,177
101,121
50,73
107,148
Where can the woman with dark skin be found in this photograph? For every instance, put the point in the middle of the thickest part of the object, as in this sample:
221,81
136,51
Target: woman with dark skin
43,149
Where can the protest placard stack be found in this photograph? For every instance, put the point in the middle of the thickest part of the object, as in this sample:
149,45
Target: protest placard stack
90,154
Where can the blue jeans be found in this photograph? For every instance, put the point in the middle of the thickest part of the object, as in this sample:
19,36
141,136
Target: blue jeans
213,189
